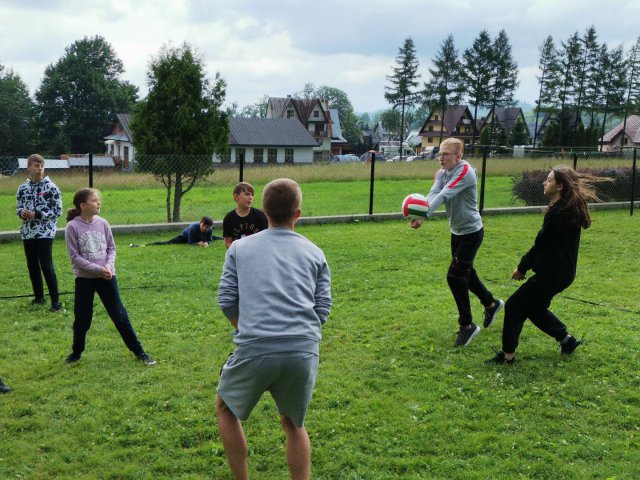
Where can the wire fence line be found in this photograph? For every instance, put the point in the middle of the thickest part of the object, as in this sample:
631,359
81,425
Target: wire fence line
506,178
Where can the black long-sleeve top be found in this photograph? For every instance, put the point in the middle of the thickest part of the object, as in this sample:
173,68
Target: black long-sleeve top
554,255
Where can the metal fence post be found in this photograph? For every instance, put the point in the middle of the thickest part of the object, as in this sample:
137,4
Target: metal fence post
241,173
633,180
372,181
484,172
91,170
575,160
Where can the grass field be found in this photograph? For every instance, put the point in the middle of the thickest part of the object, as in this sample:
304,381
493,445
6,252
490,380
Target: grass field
394,399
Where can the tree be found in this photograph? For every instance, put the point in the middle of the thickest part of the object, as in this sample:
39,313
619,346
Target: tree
549,80
518,134
403,82
16,115
338,99
80,95
504,80
307,93
633,83
588,71
614,85
255,110
390,120
180,124
571,55
476,71
446,86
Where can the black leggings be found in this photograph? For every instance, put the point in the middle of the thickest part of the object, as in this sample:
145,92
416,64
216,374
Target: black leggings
177,239
531,301
462,277
40,262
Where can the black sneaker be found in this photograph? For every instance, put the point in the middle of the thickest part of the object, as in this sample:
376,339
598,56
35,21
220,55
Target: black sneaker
72,358
490,313
146,359
569,346
38,301
55,307
3,387
465,335
500,359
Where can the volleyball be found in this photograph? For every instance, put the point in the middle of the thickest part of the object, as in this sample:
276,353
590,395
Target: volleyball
415,206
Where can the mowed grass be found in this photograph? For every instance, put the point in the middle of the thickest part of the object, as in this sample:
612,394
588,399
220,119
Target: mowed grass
394,399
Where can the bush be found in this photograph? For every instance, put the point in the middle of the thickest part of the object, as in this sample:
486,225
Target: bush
528,187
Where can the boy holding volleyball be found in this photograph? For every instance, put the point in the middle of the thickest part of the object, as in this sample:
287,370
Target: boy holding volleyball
455,185
276,290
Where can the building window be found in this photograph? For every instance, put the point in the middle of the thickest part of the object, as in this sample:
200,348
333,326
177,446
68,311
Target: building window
435,117
431,128
430,140
240,155
316,113
320,131
288,155
258,155
126,153
272,155
466,141
290,113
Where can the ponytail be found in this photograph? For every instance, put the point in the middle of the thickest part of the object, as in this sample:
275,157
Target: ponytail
81,196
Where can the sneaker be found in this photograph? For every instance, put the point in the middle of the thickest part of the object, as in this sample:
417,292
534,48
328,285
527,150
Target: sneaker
145,358
134,245
72,358
490,313
38,301
3,387
55,307
500,359
465,335
569,346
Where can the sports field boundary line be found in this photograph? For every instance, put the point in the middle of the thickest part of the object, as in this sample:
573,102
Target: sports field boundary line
363,217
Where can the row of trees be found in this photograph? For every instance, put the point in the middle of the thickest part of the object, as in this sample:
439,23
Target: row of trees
486,75
585,80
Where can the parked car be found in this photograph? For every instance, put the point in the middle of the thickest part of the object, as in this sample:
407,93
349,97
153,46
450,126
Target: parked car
348,157
366,157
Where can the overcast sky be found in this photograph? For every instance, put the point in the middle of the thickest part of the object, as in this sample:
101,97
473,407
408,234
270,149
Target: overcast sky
274,47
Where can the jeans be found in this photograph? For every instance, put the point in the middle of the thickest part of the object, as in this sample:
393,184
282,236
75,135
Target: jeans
83,311
40,262
462,277
531,301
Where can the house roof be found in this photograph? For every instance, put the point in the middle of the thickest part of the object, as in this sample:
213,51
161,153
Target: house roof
303,107
506,116
632,130
452,117
125,119
265,132
98,161
336,131
49,164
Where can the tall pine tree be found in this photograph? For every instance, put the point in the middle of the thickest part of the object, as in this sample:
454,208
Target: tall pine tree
476,71
549,81
614,85
504,80
633,85
401,93
446,86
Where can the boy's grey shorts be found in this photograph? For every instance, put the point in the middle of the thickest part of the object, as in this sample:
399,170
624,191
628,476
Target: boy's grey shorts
289,379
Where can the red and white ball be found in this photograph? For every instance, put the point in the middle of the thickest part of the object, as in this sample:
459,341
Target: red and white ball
415,206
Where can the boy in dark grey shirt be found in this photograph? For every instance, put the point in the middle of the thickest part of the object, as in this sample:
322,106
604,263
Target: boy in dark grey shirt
276,290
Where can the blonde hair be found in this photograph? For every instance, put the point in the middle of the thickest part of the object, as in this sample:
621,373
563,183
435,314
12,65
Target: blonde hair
453,141
281,198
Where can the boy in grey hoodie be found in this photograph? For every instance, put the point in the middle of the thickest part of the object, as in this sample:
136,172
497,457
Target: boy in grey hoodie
276,290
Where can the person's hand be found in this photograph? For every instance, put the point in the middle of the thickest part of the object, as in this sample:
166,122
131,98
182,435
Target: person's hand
416,222
27,214
105,273
516,275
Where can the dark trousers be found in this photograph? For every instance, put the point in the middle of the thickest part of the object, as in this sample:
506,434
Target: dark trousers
177,239
83,311
531,301
462,277
39,253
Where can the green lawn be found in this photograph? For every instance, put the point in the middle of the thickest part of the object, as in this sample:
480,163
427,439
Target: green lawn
394,399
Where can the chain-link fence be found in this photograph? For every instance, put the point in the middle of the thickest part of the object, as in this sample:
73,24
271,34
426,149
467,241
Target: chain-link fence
145,191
